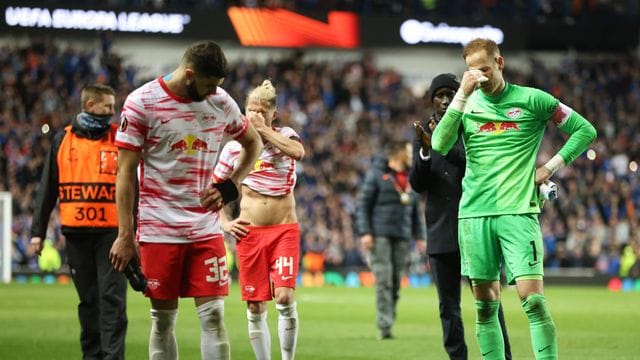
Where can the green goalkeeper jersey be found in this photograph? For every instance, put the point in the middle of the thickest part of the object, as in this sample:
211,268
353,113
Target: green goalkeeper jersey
502,135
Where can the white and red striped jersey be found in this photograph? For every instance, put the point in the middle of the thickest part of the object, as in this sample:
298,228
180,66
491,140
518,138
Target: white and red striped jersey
273,174
180,141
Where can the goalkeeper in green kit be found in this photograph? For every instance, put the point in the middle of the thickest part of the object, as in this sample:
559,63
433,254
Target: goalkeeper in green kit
502,127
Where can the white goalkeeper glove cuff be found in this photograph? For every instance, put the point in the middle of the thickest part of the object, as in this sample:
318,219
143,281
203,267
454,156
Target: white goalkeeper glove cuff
459,101
555,163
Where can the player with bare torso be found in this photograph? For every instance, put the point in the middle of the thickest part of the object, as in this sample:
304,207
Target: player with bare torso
267,232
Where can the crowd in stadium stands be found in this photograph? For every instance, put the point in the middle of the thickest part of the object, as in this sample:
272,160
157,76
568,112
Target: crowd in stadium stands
344,112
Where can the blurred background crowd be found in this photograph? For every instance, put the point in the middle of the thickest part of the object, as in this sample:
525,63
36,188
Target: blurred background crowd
344,112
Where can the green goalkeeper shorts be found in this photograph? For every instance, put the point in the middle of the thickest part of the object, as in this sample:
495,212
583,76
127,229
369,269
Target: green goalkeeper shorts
486,241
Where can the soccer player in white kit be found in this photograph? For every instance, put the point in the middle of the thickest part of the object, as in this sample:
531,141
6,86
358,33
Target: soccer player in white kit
267,231
170,135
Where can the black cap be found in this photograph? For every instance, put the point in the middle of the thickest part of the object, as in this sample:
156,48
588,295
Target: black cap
443,81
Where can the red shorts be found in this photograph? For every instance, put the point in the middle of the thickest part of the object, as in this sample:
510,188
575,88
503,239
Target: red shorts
195,269
268,256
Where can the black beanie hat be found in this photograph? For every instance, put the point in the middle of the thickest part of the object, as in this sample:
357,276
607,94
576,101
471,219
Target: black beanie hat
442,81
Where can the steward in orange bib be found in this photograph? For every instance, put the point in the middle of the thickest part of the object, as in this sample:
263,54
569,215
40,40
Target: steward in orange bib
80,173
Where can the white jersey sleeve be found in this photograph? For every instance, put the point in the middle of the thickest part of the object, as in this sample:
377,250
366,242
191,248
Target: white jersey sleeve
133,124
227,161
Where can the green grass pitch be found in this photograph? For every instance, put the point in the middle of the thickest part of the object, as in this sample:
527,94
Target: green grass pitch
39,321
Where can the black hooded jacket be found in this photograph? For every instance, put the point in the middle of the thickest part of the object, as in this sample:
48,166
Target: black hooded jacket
440,179
380,211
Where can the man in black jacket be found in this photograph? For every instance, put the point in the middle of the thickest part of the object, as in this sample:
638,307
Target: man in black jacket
440,178
80,173
388,217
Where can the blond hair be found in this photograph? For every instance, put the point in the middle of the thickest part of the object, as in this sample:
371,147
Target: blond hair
488,45
265,92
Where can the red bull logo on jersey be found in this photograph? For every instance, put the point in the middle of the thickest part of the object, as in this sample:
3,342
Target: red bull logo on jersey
497,127
189,145
509,125
262,165
199,145
488,127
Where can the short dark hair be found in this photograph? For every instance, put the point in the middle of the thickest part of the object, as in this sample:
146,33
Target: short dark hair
206,58
94,92
395,146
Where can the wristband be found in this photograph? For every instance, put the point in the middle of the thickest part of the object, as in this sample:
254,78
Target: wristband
554,164
228,190
459,101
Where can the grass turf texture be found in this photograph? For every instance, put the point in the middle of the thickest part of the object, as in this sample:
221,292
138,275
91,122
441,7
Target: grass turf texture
39,321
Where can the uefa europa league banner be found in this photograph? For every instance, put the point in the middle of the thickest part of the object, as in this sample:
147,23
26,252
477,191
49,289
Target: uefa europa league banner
267,27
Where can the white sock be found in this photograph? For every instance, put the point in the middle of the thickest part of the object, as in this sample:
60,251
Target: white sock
162,341
259,335
287,330
214,342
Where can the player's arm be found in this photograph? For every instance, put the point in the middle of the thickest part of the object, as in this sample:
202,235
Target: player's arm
226,163
123,248
235,227
225,190
225,218
46,196
291,147
457,156
251,148
581,134
446,133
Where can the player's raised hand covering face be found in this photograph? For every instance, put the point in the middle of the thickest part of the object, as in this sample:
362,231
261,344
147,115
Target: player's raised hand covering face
260,113
485,73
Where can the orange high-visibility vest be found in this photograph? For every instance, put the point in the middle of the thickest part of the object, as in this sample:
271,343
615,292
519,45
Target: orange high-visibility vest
87,180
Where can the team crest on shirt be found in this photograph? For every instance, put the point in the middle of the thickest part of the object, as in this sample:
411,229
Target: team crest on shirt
514,113
209,117
249,289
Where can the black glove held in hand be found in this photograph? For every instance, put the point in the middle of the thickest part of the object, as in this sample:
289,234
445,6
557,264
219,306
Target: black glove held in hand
228,190
134,274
